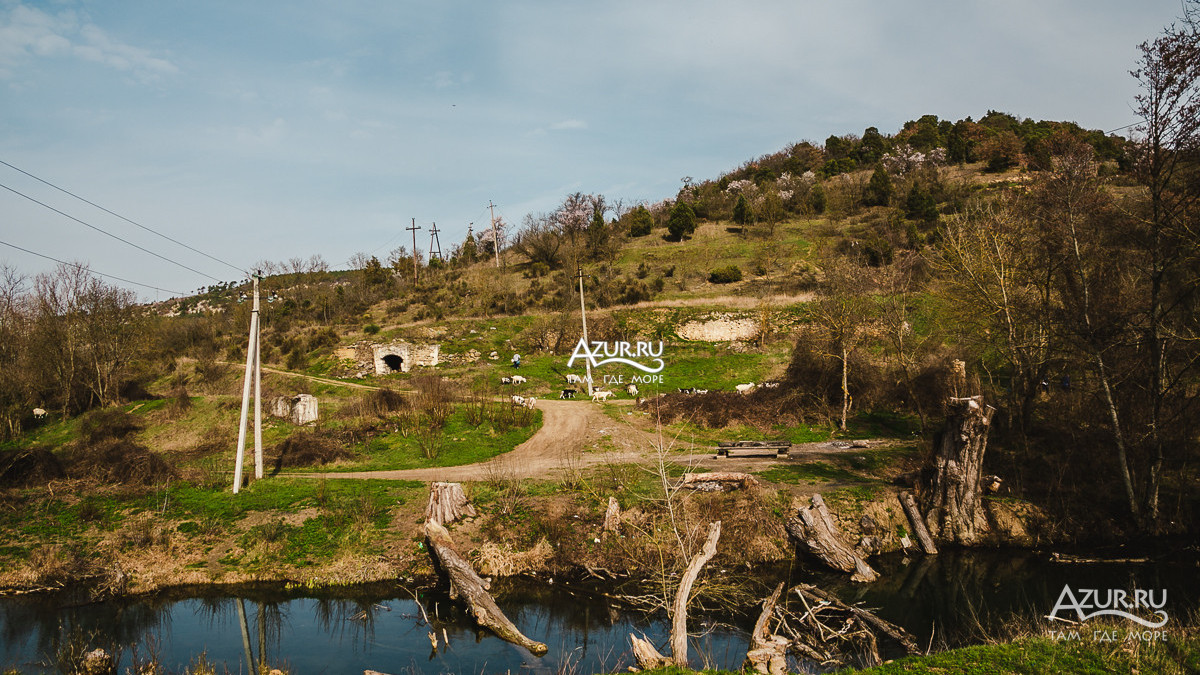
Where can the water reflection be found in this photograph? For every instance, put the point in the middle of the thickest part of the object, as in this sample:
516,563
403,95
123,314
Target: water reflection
953,598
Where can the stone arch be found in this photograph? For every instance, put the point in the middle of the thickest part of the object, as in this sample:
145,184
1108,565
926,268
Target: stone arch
394,362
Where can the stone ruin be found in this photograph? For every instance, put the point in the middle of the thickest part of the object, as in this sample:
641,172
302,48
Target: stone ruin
300,409
390,357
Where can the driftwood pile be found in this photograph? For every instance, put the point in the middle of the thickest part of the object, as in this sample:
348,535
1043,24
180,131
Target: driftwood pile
819,627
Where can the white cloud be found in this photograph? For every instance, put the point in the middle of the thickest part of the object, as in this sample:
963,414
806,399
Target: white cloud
27,32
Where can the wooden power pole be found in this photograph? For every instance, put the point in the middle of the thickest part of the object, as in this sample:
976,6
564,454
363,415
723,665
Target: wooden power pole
495,237
435,244
253,370
414,229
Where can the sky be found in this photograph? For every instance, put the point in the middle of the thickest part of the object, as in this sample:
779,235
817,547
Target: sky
271,130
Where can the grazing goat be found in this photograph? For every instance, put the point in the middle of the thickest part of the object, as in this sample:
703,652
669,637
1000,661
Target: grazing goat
506,380
601,395
687,390
769,385
519,379
39,414
572,378
746,388
568,393
518,400
529,402
699,391
632,389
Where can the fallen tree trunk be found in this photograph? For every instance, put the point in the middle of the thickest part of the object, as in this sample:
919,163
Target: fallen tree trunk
918,524
814,528
723,481
447,503
466,584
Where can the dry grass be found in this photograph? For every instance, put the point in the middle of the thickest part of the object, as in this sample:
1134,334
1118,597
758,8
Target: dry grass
501,561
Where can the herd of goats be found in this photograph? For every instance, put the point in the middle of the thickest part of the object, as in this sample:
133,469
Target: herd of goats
604,394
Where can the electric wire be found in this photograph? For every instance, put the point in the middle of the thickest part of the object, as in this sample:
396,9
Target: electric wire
88,269
109,234
117,215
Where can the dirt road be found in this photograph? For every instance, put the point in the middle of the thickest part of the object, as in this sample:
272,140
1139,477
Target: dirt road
570,432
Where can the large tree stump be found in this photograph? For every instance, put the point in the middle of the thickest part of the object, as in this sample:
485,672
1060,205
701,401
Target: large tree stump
447,503
918,524
814,528
954,512
466,584
719,481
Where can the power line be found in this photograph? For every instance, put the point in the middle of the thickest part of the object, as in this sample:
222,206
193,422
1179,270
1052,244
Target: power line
131,222
86,268
105,232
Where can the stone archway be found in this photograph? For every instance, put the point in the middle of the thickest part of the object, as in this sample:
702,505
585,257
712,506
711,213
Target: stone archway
394,362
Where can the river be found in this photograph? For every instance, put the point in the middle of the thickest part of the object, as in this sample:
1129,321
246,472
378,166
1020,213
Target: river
951,599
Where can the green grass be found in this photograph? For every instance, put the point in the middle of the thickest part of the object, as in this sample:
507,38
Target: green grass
812,473
462,443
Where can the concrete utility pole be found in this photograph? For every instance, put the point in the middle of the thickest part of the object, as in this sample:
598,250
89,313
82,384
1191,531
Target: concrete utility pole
583,314
253,370
414,229
495,238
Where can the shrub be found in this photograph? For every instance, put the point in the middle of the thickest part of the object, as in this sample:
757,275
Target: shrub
306,448
725,275
370,329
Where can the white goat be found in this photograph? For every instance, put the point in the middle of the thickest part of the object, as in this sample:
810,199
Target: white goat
746,388
601,395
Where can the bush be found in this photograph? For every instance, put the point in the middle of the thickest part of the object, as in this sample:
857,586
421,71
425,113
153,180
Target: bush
306,448
725,275
370,329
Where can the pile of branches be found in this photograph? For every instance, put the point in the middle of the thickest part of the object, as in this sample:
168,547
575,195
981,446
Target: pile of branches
821,628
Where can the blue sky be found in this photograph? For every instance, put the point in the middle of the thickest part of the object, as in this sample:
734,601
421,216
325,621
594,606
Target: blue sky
271,130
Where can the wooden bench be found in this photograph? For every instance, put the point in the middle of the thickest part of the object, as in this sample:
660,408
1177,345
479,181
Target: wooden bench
753,448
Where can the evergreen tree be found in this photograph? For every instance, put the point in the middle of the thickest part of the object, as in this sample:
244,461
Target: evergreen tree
879,189
640,222
920,204
741,211
682,221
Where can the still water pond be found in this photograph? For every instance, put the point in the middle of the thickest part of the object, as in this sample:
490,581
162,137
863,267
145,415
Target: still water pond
950,599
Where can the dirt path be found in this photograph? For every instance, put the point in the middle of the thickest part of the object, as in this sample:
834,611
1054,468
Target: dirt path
570,430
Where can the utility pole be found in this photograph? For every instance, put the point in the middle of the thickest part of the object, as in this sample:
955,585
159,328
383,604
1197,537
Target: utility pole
435,244
414,229
583,314
495,238
253,370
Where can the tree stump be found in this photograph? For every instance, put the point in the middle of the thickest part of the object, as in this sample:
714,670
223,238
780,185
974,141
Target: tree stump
954,512
447,503
768,652
466,584
814,528
719,481
612,516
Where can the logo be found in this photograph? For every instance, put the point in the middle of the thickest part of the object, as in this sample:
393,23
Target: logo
619,352
1089,603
